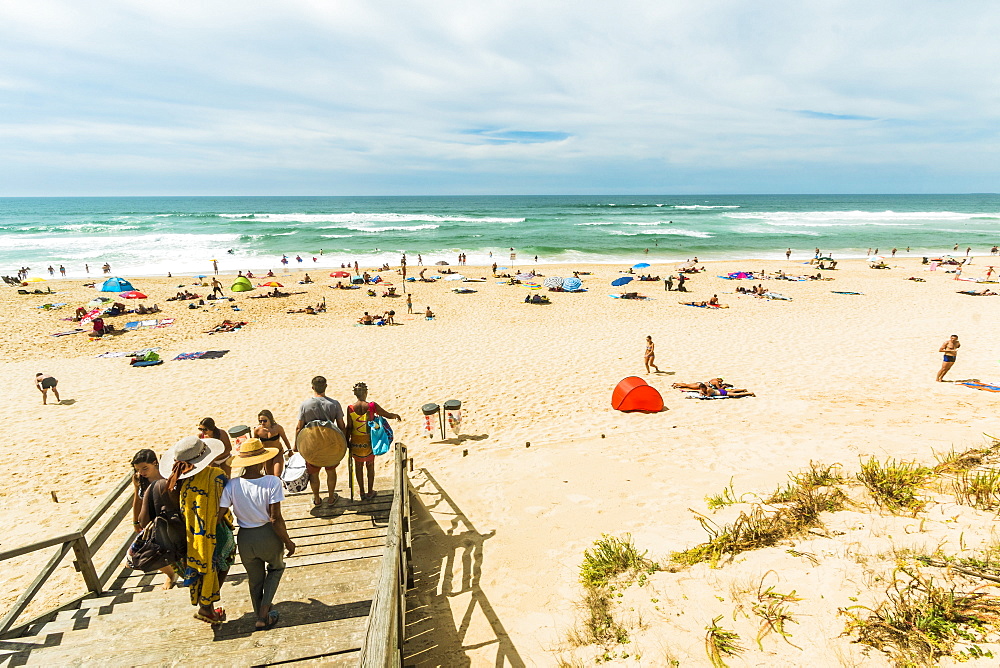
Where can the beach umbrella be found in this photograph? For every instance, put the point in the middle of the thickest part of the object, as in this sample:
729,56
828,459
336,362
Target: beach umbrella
133,294
442,263
552,282
876,258
572,283
272,284
641,265
525,277
621,281
340,274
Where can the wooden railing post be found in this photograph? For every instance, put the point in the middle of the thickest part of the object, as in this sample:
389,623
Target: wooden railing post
85,564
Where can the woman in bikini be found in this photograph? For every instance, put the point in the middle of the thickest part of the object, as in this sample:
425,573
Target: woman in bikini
272,435
650,355
358,440
207,429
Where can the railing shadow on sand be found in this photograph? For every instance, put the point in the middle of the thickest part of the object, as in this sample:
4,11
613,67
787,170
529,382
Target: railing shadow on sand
432,635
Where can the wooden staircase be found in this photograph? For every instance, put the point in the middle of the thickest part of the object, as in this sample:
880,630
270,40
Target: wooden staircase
325,598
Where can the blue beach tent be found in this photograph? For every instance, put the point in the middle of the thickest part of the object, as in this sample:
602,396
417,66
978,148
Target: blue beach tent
116,285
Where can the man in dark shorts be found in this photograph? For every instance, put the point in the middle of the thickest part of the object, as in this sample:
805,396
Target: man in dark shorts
321,407
950,350
44,384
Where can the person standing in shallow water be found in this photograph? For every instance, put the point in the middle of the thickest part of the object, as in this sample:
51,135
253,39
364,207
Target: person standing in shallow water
950,350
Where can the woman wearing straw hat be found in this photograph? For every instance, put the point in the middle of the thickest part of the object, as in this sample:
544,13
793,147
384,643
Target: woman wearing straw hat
256,501
196,487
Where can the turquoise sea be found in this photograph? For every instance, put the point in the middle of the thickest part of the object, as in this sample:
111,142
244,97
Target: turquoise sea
154,235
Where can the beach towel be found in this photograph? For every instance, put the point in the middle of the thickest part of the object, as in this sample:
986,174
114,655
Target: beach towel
72,331
147,363
203,355
165,322
210,543
134,353
51,307
692,394
986,387
129,326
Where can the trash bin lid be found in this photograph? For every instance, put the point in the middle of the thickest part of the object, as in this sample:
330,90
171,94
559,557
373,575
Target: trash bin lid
238,430
430,409
452,405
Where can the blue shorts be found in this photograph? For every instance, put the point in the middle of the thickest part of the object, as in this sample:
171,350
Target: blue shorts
949,358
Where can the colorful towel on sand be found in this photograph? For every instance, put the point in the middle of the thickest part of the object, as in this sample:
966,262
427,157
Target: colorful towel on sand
134,353
203,355
210,544
72,331
148,324
986,387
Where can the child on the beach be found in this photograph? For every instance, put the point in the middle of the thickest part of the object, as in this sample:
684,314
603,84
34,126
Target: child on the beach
358,439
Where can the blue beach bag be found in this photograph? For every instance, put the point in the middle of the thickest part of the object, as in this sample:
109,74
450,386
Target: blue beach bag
379,432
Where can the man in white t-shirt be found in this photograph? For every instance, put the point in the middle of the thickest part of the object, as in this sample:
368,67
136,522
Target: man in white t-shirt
256,499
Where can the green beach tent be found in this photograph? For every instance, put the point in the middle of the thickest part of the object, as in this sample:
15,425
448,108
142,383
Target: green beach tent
242,284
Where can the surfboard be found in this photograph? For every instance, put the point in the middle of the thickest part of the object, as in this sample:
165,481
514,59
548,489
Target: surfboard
321,444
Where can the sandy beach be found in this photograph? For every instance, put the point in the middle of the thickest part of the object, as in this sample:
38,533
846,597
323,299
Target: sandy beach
837,377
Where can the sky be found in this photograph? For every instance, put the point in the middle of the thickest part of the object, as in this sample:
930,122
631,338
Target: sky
331,97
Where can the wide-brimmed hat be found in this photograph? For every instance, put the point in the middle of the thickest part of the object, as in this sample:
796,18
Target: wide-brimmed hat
197,451
252,451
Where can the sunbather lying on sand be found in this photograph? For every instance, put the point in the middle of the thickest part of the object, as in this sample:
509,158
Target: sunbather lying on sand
309,309
714,388
226,326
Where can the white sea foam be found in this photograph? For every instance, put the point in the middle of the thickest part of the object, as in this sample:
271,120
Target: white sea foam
696,207
671,232
603,222
886,218
385,228
367,218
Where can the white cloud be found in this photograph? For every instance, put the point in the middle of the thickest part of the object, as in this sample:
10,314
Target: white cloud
391,90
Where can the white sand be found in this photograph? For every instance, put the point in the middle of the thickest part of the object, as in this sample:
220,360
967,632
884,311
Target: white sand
837,377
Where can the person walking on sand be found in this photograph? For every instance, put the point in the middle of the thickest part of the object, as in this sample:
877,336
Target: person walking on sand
44,383
321,407
216,286
788,254
359,414
668,283
409,303
255,498
650,355
215,267
950,350
893,252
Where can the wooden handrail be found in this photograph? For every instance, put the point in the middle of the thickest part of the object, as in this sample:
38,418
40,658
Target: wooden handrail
83,550
383,645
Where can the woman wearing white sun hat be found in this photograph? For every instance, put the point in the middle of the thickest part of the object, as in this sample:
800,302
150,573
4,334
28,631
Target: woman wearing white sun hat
256,501
196,487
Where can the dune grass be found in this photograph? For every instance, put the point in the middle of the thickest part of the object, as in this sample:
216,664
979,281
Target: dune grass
610,560
979,489
721,643
894,484
920,621
795,510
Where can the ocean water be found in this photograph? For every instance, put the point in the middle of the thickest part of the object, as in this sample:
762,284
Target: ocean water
154,235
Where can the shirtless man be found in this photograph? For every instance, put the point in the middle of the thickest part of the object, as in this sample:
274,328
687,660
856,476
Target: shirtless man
950,350
44,383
